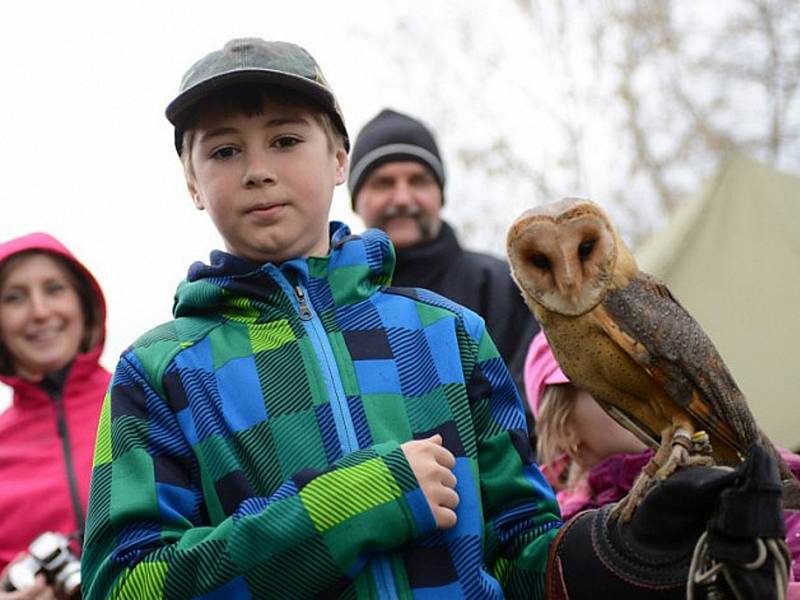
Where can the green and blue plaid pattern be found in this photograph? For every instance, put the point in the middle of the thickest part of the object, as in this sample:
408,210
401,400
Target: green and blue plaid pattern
250,448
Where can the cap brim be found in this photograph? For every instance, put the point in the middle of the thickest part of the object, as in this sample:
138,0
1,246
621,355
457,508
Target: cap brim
181,106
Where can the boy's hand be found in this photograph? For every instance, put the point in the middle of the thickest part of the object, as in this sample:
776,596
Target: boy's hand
432,464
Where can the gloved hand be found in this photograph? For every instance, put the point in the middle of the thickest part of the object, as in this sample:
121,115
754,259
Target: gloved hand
744,546
595,556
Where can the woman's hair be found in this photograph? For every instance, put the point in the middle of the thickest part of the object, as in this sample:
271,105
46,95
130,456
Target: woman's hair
90,307
553,433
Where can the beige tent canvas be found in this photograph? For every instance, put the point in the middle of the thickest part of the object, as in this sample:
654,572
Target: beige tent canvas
731,256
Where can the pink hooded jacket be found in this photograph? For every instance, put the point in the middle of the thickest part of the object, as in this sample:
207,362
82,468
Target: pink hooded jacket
35,494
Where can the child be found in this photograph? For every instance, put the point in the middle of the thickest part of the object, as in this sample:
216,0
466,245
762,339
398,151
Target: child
299,428
585,454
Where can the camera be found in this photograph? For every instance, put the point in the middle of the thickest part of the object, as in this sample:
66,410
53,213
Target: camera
49,554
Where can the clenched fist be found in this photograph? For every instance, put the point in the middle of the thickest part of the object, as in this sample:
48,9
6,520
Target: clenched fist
433,465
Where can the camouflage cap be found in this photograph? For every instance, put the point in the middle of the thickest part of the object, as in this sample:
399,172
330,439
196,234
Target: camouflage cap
253,60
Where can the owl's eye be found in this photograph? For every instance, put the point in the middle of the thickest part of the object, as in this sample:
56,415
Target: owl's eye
585,249
540,261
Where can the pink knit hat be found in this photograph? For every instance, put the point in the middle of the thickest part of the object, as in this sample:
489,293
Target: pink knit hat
541,370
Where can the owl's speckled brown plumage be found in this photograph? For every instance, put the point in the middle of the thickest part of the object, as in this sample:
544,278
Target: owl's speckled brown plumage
620,334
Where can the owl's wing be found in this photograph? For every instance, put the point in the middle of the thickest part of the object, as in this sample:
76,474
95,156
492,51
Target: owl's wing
659,334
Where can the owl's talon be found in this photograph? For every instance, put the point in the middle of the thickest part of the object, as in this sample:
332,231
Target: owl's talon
677,449
619,512
624,508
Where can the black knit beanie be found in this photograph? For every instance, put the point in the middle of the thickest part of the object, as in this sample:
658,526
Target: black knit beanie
392,136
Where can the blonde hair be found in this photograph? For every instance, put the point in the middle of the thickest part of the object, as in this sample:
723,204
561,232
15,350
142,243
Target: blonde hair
249,100
554,432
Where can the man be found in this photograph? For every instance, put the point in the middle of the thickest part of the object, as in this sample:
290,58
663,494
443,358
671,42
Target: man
397,183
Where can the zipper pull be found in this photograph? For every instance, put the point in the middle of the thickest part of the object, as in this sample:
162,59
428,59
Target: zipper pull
305,312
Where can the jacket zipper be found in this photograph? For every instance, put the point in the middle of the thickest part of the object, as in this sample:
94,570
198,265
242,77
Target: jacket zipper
381,569
316,331
63,433
305,312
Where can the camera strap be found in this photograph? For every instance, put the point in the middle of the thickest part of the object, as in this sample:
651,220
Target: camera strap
53,384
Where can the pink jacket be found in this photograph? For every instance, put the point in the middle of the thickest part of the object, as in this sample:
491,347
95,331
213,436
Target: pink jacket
34,486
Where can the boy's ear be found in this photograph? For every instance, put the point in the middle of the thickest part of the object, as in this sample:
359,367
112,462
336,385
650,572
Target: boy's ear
191,185
342,163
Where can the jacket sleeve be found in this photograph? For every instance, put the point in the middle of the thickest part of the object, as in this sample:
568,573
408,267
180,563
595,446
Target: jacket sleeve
148,531
520,508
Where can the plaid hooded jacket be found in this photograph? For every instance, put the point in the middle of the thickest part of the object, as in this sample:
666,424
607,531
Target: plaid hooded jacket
250,448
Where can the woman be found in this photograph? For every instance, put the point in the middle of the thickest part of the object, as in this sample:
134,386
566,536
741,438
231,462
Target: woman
52,329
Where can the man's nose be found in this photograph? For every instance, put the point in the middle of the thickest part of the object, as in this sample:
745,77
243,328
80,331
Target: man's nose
402,194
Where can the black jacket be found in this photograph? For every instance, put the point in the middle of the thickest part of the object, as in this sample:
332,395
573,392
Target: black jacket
478,281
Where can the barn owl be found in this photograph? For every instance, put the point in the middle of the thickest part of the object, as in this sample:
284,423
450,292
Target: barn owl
619,334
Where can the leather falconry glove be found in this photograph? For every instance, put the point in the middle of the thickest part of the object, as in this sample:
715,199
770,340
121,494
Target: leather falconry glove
723,527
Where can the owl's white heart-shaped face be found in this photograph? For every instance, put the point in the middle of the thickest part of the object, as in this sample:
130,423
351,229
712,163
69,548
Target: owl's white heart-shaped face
563,254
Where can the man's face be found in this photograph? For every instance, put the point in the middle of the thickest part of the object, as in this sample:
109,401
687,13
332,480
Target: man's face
404,199
266,181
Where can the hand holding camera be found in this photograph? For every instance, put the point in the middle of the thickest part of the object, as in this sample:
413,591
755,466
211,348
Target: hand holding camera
40,591
48,570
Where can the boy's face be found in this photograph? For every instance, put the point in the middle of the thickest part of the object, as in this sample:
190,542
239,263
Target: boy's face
266,181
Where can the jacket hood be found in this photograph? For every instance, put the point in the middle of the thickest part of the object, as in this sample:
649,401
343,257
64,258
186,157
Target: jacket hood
365,261
49,244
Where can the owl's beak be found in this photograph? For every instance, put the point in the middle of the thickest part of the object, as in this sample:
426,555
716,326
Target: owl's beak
570,292
568,286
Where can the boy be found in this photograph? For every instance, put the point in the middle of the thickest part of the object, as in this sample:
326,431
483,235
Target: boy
299,428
